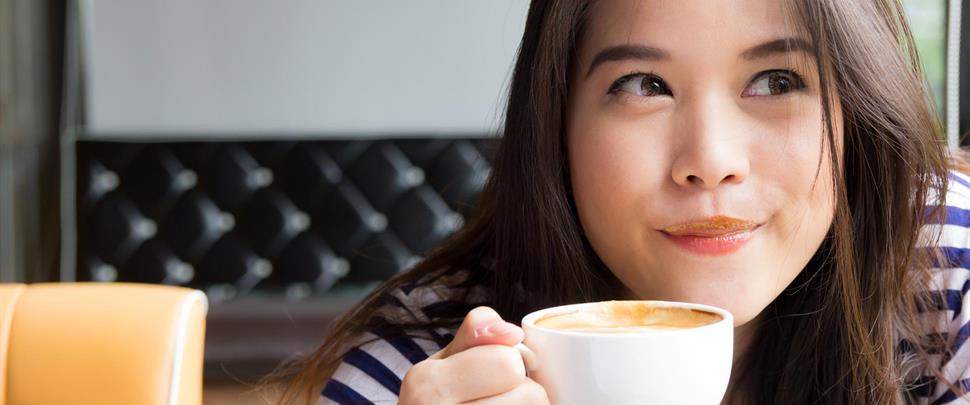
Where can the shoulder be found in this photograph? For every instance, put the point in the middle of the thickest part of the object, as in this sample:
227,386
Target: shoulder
950,228
948,235
947,299
435,299
957,194
955,200
402,336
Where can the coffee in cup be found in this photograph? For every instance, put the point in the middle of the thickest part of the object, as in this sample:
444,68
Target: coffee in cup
628,317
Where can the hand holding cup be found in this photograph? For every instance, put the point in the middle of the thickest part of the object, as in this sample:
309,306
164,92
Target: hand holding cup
481,366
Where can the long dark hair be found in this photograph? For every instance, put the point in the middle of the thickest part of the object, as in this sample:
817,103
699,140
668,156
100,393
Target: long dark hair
831,337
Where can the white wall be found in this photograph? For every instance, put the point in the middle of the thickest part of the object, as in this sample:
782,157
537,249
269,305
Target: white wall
333,67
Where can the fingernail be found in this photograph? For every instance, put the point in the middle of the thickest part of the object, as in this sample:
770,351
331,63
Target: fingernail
495,329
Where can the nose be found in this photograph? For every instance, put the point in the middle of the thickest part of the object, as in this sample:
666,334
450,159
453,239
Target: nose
711,146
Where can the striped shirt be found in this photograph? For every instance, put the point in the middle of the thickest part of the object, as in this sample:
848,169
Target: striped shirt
371,372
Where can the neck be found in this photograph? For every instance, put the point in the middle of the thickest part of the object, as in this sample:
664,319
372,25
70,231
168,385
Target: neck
743,339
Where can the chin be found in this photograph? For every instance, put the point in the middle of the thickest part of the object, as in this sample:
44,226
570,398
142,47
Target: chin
744,315
743,306
743,312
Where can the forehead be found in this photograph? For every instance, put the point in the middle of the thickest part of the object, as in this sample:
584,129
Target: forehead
686,26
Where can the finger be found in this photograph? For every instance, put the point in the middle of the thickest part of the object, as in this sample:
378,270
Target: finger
482,326
528,357
479,372
529,392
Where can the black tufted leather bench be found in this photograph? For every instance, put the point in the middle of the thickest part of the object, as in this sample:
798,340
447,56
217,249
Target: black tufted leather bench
300,218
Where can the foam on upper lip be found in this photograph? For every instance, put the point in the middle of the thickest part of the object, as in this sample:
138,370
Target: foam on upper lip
714,226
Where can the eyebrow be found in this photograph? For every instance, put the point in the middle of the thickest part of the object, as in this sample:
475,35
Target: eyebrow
649,53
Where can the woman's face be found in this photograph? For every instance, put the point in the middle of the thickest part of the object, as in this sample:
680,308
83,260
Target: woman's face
697,155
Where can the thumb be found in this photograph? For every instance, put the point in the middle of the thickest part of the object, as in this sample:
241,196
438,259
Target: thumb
482,326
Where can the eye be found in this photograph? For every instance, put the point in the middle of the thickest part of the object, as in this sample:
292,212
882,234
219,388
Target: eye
774,83
641,84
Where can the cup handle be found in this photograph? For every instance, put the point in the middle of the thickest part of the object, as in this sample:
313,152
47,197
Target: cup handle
528,357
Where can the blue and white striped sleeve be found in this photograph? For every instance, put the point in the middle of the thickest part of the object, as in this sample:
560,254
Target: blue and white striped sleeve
952,278
371,373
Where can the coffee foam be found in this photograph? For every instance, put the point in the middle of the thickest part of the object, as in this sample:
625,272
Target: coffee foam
628,317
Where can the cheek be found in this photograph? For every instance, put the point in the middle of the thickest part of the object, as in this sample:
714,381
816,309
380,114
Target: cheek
791,164
613,168
799,167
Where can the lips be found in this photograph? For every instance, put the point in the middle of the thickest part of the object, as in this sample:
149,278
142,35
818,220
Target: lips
713,236
711,227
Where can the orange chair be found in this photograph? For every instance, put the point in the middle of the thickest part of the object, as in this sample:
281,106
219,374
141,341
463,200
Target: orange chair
95,343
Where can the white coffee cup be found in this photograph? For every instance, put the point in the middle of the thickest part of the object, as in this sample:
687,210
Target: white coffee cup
648,366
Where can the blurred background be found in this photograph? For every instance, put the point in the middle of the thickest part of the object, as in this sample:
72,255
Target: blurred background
284,157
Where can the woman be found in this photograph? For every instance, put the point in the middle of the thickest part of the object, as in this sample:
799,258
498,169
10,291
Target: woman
780,160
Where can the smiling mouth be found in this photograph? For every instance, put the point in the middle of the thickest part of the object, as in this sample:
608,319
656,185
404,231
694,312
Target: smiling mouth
712,227
714,236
